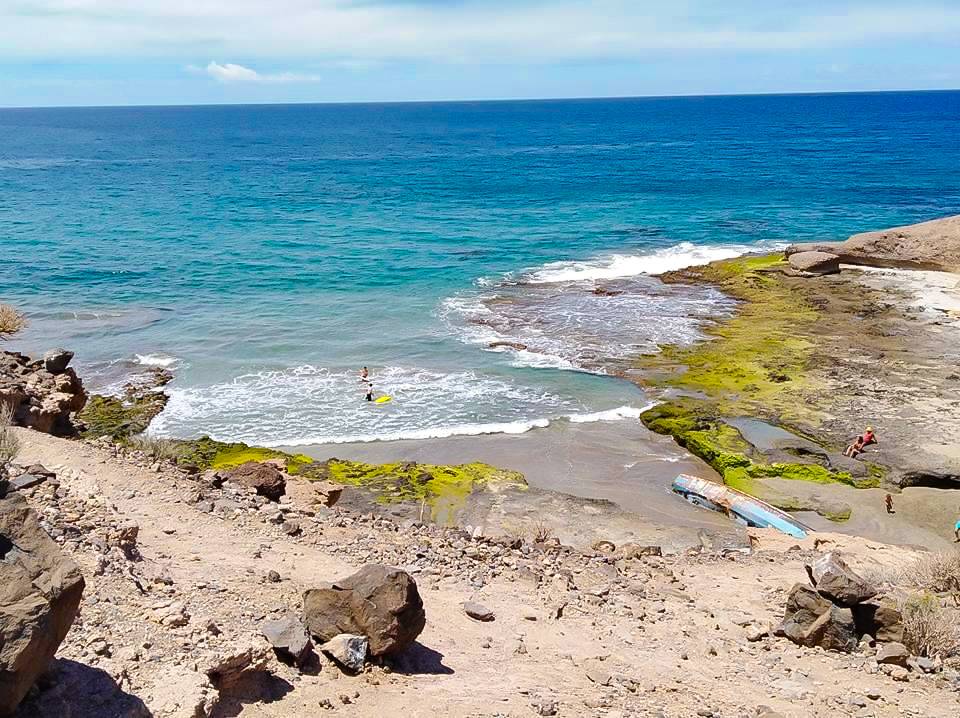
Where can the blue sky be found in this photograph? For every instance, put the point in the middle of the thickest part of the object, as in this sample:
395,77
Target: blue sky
107,52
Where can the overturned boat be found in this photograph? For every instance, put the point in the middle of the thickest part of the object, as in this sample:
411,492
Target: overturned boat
741,507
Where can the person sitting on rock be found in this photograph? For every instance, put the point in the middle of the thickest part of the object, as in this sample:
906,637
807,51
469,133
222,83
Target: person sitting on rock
865,439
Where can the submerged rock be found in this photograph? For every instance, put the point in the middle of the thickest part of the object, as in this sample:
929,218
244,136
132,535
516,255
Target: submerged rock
379,602
40,591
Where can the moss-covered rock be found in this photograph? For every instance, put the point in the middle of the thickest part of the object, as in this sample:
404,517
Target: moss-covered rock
441,488
707,436
119,418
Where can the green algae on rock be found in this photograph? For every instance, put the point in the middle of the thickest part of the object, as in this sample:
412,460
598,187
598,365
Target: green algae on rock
704,434
755,363
121,417
444,489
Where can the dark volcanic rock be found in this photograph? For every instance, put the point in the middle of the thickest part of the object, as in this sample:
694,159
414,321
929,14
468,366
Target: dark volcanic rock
835,580
40,591
266,479
880,619
56,361
41,400
811,620
379,602
288,637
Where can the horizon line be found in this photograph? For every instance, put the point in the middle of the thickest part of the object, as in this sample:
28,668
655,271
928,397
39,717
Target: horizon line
580,98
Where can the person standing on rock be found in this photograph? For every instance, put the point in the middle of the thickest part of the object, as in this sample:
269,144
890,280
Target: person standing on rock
888,501
956,532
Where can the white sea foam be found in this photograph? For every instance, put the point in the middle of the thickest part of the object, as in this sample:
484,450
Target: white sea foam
618,414
439,432
618,266
162,361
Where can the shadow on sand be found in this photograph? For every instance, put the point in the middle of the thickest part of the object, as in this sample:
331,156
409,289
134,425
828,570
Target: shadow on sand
420,660
79,691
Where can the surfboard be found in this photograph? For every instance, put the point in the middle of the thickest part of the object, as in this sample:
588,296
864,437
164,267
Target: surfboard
382,400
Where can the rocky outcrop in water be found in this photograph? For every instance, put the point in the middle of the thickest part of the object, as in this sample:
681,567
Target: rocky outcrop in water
45,394
927,245
40,590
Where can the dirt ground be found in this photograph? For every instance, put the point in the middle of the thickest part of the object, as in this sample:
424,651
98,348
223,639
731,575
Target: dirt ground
672,637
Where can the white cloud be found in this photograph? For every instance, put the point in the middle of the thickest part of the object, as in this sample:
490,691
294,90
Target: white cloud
230,72
324,31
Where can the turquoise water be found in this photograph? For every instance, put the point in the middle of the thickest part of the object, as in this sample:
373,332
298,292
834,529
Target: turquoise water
267,252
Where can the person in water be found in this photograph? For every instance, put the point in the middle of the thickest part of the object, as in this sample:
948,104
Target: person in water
369,392
364,374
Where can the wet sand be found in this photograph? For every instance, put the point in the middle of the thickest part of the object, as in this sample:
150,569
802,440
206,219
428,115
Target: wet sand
620,461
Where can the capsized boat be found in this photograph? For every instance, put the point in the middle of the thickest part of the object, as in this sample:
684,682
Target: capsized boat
741,507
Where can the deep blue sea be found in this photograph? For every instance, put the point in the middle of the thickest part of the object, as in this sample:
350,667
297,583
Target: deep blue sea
265,253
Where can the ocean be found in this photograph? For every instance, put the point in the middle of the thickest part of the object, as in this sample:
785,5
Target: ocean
490,262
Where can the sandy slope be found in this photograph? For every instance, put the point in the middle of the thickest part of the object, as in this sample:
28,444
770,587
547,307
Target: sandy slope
673,632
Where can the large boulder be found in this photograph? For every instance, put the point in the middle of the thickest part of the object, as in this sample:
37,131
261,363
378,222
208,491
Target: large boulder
880,619
835,580
42,400
266,479
928,245
379,602
40,590
815,262
812,620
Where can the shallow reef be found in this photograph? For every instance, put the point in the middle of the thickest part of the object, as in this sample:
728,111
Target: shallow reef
753,364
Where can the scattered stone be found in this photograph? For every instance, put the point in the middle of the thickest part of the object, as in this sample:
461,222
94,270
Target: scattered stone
478,611
273,577
377,601
291,527
350,651
26,481
835,580
544,708
597,672
224,669
266,479
894,654
40,591
288,637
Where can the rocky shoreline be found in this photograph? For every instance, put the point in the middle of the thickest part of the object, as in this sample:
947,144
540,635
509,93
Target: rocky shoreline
807,361
186,579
